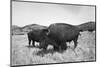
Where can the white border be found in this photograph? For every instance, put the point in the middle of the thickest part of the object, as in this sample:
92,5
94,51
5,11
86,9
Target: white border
5,33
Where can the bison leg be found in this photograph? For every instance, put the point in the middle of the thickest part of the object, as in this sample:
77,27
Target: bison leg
56,48
75,42
44,48
63,46
33,43
29,42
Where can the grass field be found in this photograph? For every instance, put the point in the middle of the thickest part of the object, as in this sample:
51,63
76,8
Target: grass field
22,55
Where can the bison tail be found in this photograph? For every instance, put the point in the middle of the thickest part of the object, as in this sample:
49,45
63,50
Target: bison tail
89,26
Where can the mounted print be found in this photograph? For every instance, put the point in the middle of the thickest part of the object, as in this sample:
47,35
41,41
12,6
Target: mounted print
52,33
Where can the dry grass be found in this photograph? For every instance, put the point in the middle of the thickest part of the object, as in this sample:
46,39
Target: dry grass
22,55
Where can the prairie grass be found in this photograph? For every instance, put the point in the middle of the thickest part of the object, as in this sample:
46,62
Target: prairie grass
22,55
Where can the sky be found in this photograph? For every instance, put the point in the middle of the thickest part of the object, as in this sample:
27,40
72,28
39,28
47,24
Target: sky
24,13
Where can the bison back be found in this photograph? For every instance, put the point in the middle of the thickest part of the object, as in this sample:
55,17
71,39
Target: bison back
62,31
37,34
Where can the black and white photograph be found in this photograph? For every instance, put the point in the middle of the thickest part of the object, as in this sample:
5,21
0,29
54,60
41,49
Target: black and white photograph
52,33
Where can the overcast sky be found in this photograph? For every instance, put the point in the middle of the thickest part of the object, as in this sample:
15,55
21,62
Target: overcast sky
24,13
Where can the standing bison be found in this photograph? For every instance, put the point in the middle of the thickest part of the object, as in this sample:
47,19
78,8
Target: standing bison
36,35
60,33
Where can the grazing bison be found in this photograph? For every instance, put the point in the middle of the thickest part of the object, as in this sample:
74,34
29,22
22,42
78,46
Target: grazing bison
60,33
36,35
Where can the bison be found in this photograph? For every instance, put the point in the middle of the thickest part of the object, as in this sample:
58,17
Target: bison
36,35
60,33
